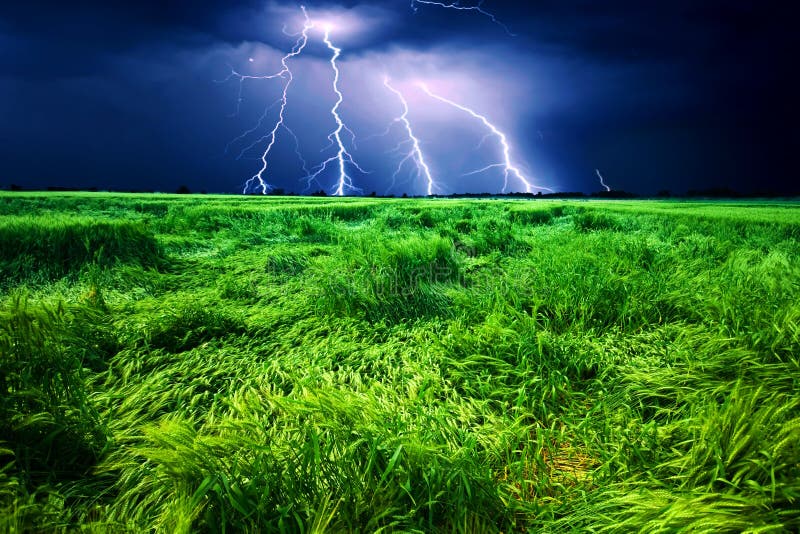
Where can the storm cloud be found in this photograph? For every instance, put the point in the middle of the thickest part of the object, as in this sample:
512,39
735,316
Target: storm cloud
130,96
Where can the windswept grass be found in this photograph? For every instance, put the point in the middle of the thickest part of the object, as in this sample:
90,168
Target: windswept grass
387,280
47,422
53,246
235,364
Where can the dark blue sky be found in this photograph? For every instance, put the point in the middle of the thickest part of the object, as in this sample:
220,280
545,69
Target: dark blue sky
669,95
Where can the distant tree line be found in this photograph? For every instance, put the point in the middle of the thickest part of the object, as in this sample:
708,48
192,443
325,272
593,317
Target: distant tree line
714,192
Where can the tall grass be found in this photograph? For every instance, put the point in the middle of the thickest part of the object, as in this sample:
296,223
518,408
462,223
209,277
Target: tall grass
54,246
316,365
50,427
394,280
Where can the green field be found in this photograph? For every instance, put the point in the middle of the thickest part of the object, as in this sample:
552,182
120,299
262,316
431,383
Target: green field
235,364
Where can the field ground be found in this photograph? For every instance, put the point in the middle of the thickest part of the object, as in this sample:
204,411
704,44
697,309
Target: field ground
231,364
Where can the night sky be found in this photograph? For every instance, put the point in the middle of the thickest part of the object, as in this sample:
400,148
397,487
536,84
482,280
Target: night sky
673,95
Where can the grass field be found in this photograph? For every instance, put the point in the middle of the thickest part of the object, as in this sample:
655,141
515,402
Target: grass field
234,364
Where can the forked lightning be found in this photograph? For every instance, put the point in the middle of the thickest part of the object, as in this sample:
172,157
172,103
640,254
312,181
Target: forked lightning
508,166
414,153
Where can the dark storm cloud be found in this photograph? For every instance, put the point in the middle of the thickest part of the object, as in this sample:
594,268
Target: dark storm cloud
673,95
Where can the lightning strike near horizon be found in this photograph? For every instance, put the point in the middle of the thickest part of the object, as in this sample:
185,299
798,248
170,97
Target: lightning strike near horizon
342,157
507,165
343,139
602,182
257,181
414,154
478,8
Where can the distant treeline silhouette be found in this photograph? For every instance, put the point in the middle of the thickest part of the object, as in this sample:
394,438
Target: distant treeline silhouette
713,192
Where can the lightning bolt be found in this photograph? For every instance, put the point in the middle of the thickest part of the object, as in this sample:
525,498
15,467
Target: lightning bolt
602,182
251,131
414,153
257,181
509,168
410,149
478,8
342,157
234,74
